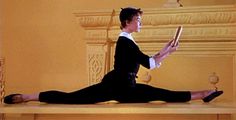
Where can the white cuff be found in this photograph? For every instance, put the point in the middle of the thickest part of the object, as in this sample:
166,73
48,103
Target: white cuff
153,63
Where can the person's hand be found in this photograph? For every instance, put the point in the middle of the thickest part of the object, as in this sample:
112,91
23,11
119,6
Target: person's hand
173,47
169,48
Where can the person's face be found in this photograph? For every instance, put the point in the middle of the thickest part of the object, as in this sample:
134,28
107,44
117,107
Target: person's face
135,24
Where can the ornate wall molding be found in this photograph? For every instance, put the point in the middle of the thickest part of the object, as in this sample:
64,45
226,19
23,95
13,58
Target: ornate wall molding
209,22
96,57
164,16
208,30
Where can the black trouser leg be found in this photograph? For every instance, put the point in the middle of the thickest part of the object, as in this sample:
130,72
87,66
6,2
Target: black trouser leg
144,93
89,95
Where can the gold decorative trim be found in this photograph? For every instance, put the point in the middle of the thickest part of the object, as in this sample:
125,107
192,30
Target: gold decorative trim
165,16
211,23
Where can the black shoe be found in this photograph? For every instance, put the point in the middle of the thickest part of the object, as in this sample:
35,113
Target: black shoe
212,96
10,99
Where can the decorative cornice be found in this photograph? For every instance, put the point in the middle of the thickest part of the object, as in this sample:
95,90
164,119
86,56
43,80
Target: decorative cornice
207,23
165,16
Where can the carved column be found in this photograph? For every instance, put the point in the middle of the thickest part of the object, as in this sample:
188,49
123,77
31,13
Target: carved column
97,25
96,56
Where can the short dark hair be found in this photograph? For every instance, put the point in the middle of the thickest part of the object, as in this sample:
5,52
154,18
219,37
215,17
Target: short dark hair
126,14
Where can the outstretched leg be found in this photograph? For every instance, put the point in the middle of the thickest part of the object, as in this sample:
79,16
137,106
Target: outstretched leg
142,93
91,94
145,93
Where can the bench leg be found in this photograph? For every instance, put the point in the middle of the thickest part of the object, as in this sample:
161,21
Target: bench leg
224,117
2,116
233,117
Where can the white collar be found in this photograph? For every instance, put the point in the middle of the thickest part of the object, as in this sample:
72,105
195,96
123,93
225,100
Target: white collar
127,35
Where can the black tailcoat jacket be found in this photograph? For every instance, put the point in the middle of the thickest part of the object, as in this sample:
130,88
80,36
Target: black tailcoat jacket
128,58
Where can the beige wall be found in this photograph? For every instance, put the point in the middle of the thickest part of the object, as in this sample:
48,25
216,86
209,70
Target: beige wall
1,17
44,46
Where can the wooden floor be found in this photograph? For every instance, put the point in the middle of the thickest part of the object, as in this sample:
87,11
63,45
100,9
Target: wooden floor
117,111
140,108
